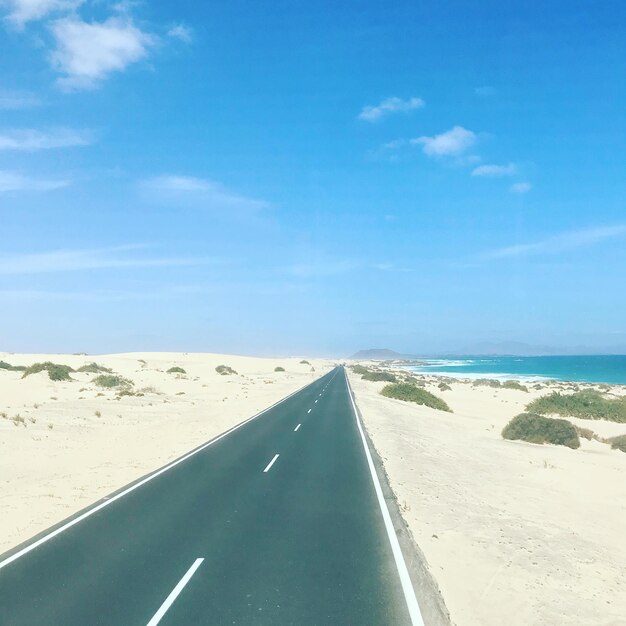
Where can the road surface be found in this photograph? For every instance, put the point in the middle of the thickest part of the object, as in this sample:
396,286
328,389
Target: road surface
276,522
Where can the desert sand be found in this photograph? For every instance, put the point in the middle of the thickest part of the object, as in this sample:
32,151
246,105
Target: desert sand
514,533
64,445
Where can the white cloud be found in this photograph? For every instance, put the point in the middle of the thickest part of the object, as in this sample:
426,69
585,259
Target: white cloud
87,53
15,181
451,143
495,170
89,259
390,105
23,11
561,242
181,32
31,140
520,187
207,193
17,100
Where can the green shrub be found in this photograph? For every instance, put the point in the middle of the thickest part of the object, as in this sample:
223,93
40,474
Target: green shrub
514,384
279,369
12,368
225,370
585,433
486,382
94,368
618,443
444,387
538,429
112,380
589,404
304,362
412,393
127,391
359,369
176,370
55,371
386,377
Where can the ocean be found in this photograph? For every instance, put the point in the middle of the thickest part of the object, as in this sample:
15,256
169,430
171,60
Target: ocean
591,369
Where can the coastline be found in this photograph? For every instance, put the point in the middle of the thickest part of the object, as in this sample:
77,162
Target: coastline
591,369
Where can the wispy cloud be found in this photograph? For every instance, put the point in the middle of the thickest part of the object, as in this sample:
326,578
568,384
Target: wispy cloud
495,170
23,11
206,193
453,142
520,187
30,140
16,181
559,243
181,32
74,260
88,52
17,100
389,106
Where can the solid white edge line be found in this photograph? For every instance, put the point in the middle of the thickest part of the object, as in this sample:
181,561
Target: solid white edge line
158,616
295,430
405,579
148,478
269,465
309,411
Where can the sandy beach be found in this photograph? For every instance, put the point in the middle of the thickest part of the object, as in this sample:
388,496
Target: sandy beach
65,444
514,533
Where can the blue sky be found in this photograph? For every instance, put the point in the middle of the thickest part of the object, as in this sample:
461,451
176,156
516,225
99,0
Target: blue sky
313,177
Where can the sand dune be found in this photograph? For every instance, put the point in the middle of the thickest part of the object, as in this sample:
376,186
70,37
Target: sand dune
65,444
514,533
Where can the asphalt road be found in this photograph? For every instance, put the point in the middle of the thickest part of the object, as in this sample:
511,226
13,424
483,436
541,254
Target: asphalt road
277,522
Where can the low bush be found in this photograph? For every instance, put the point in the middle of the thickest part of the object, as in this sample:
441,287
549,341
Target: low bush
585,433
279,369
444,387
304,362
589,404
412,393
127,391
486,382
112,380
56,371
618,443
225,370
538,429
94,368
386,377
359,369
12,368
176,370
514,384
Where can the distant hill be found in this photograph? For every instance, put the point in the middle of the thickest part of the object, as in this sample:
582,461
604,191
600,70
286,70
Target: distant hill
377,354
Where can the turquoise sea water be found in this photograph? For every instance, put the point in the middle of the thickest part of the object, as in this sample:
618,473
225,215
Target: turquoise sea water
592,369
